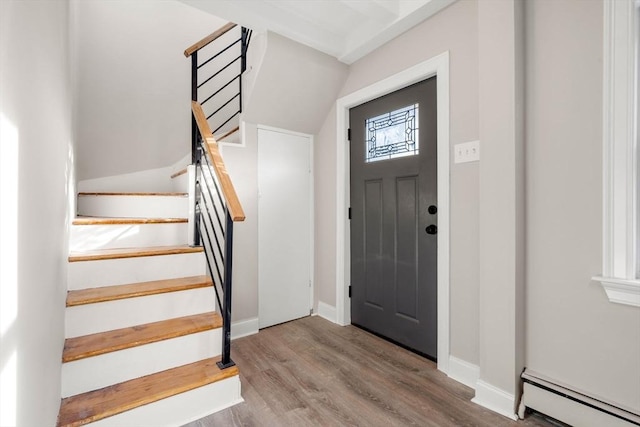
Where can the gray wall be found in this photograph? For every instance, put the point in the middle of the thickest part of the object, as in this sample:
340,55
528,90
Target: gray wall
501,214
37,166
134,83
294,87
454,29
291,86
242,165
574,334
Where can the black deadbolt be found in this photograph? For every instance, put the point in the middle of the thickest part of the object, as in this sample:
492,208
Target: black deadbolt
433,209
431,229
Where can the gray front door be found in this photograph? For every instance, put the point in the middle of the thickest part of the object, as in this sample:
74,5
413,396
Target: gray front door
394,217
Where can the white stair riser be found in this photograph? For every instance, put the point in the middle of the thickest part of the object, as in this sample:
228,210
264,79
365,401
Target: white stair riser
180,184
92,237
104,370
93,274
180,409
134,206
106,316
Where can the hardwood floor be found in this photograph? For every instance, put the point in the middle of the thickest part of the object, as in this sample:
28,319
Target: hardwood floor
310,372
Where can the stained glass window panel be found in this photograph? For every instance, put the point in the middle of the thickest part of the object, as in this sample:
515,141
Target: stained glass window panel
393,134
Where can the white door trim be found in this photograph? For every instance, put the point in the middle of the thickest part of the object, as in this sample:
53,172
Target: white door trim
438,65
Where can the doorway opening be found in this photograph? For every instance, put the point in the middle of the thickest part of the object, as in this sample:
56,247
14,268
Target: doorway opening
393,229
436,66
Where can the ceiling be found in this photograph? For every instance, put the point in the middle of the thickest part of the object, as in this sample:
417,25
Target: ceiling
345,29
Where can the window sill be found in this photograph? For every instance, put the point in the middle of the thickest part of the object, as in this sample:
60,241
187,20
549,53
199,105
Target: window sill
621,291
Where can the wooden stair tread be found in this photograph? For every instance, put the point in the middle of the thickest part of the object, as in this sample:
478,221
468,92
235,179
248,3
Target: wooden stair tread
180,172
168,194
116,292
105,342
92,220
105,402
132,252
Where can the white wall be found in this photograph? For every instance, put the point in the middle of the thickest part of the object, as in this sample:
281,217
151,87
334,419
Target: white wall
454,29
134,83
37,173
574,334
291,86
294,87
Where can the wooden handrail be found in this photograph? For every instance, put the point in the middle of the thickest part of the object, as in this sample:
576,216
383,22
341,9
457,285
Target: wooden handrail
211,37
211,148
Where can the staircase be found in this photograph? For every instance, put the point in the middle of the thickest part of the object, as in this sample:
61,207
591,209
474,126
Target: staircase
142,332
148,309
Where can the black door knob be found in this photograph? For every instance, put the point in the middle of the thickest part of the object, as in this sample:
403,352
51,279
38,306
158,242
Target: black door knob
433,209
431,229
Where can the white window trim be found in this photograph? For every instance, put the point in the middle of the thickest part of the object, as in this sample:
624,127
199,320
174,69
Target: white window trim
620,168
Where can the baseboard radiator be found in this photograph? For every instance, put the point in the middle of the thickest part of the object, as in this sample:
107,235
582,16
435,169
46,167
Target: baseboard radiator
570,406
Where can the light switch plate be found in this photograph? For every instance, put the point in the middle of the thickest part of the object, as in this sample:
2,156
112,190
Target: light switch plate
467,152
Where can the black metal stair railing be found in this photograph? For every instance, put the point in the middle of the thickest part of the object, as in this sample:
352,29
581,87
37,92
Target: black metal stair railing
218,78
214,231
216,206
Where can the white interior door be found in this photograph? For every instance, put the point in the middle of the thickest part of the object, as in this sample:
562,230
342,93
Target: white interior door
284,226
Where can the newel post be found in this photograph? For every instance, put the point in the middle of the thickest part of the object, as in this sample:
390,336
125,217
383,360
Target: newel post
226,361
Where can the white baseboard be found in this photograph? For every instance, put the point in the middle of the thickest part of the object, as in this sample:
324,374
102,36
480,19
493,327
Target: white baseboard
327,311
463,372
495,399
244,328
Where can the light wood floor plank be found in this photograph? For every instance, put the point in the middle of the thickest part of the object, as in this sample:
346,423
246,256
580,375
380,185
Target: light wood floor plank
311,372
104,342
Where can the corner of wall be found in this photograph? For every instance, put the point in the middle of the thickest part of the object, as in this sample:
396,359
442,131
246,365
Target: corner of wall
244,328
327,311
255,58
463,372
